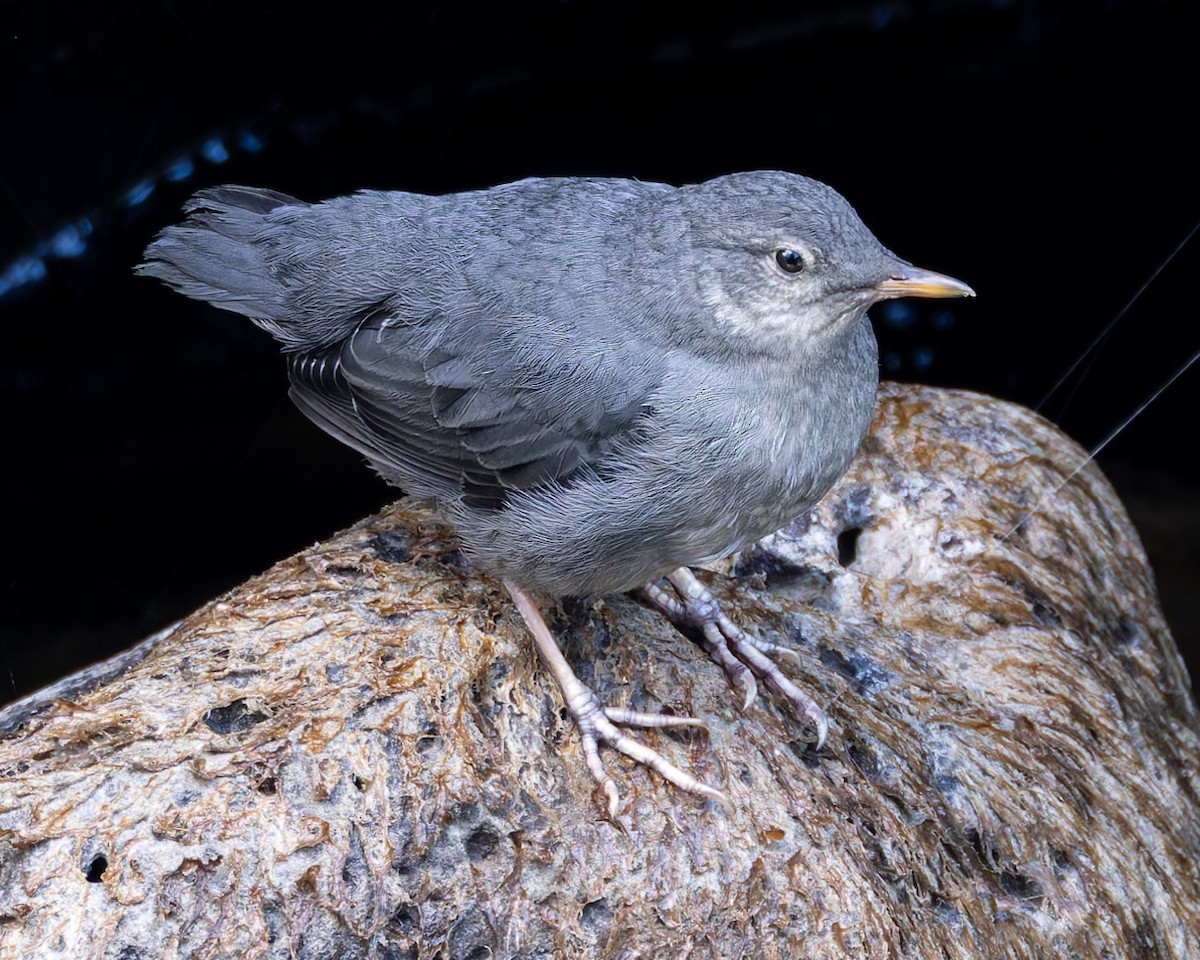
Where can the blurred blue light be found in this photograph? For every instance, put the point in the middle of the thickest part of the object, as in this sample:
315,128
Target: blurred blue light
249,142
180,169
898,315
943,320
30,269
891,362
881,16
21,271
922,358
138,193
68,242
214,150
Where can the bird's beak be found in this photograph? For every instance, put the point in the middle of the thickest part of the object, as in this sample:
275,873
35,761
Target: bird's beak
910,281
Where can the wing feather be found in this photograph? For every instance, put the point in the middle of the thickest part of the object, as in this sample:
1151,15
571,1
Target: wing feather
476,410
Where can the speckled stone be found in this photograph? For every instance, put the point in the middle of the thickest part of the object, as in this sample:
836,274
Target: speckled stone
357,753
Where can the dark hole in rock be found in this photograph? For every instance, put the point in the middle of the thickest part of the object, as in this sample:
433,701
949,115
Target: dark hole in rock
847,544
482,843
596,916
1043,612
480,953
392,546
806,752
428,742
1062,864
1128,633
863,757
1020,530
344,569
95,870
773,568
268,786
1020,886
983,848
359,783
1046,615
232,718
477,691
405,920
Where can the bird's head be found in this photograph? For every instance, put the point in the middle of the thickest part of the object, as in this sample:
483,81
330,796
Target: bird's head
781,261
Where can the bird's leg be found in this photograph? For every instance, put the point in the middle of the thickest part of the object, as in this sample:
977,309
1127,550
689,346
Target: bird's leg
597,723
743,657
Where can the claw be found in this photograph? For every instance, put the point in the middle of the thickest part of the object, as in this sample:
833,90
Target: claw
743,657
597,723
738,672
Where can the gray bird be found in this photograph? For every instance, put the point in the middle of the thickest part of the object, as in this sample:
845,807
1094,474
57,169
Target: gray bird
599,382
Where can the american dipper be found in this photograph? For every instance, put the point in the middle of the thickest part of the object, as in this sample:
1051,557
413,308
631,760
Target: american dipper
599,382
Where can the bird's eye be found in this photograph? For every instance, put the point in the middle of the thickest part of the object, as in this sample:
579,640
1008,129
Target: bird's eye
790,261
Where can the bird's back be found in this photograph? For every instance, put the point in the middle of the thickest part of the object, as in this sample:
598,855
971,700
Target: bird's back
309,273
468,345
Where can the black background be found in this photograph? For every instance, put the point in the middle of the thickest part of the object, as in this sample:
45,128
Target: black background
1040,151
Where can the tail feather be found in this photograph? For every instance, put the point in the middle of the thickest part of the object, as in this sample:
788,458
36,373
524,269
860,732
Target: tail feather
221,254
306,273
249,199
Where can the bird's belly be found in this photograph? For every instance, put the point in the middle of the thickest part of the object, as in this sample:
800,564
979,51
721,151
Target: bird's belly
693,490
610,534
765,491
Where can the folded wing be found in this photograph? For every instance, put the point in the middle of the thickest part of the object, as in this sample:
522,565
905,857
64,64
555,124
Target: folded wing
477,408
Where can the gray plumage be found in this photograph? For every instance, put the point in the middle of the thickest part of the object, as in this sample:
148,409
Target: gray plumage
598,380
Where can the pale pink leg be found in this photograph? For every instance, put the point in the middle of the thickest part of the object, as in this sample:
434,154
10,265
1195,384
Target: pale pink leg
597,723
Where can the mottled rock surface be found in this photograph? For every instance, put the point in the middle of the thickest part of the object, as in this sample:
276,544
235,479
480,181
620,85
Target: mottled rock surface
357,754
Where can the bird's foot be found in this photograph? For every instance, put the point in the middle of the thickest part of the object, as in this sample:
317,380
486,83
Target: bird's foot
598,724
743,657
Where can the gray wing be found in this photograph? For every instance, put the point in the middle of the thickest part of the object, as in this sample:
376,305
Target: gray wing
466,344
478,407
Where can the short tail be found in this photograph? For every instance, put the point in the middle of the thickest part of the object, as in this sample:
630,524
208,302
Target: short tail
221,254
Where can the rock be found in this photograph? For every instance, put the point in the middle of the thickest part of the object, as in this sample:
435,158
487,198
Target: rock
357,754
